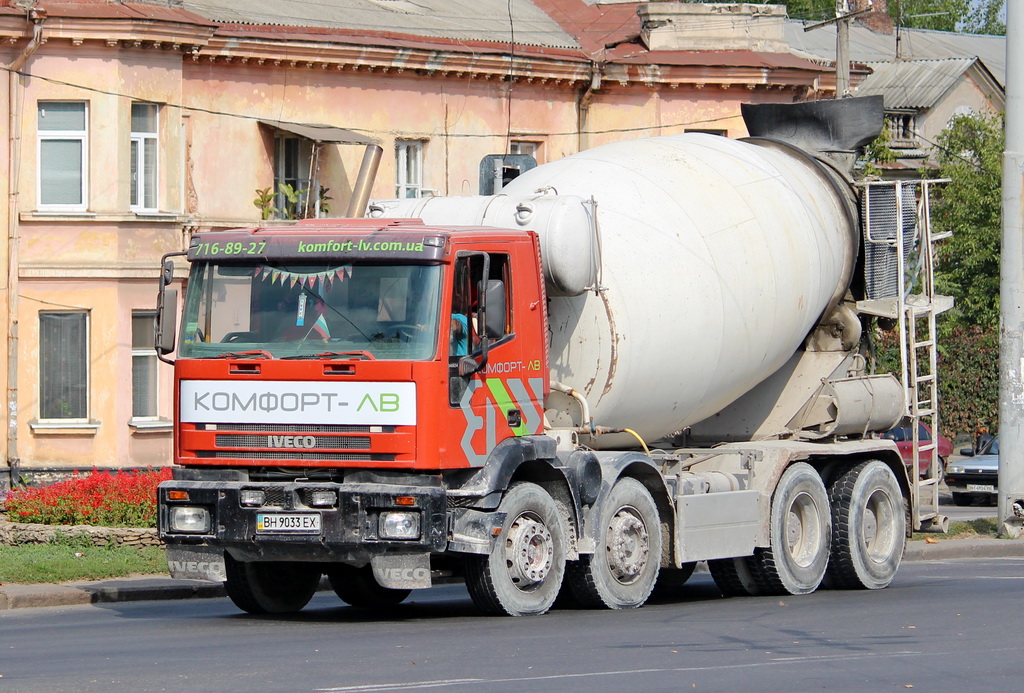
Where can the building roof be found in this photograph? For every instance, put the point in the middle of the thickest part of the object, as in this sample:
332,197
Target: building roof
915,44
917,84
475,20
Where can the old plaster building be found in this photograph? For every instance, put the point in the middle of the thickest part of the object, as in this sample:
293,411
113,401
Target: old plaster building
127,126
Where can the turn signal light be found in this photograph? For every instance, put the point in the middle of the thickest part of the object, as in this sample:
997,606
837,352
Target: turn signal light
405,500
177,495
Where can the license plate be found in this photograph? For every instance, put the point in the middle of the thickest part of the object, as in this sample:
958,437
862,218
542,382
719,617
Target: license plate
288,523
981,487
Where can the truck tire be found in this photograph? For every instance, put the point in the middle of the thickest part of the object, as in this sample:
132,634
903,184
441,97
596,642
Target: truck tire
800,533
869,526
735,577
270,588
523,573
624,569
358,587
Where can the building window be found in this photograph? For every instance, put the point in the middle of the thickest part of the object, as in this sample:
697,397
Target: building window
409,167
63,366
144,157
62,171
524,148
144,375
294,175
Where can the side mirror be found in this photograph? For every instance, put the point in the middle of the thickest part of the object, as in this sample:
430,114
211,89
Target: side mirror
496,317
967,452
166,312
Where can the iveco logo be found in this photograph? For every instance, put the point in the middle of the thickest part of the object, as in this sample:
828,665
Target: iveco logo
291,442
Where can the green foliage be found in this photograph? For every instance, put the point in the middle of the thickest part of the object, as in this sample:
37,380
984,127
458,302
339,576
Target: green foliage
265,203
65,559
970,154
971,16
292,199
969,378
325,200
878,152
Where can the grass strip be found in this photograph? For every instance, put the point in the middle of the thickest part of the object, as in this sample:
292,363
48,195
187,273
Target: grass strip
71,559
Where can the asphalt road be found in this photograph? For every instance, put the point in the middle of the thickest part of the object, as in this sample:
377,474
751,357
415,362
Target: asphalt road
941,626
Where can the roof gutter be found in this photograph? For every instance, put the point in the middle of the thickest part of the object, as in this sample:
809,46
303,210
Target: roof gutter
36,16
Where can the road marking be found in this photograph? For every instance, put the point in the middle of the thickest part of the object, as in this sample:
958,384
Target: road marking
439,683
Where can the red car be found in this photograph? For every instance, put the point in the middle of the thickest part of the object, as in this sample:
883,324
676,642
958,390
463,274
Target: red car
904,438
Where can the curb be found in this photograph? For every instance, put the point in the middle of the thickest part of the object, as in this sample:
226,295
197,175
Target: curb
157,588
106,592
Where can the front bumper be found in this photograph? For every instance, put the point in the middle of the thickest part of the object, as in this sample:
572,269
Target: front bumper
349,531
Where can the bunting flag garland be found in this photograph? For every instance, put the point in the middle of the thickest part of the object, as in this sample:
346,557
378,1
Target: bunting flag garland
306,279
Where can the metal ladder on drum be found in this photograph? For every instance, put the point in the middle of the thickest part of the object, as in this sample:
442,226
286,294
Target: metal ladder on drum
898,237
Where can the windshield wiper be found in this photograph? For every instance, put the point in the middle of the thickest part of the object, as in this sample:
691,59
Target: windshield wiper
354,355
255,354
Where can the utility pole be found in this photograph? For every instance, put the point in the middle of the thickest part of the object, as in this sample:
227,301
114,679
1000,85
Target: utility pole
842,22
1011,287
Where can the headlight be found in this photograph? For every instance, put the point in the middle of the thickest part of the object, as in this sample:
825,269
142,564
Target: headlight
399,525
252,497
321,498
190,519
954,469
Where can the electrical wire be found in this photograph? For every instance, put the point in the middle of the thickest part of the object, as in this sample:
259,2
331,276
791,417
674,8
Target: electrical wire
369,131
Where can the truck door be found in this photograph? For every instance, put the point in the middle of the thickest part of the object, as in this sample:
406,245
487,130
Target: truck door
493,382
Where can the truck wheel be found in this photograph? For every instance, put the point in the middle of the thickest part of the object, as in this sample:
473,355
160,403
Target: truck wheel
735,577
270,588
523,573
800,533
622,573
868,528
358,587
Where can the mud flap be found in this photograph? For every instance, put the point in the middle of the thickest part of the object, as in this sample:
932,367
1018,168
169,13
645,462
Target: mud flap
402,572
474,531
196,563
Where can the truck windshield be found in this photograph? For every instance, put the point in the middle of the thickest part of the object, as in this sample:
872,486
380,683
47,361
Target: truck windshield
291,310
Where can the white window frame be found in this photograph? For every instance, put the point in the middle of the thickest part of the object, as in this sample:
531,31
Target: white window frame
82,136
306,173
524,147
139,140
409,185
145,351
87,374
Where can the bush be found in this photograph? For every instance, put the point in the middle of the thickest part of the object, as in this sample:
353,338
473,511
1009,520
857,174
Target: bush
122,499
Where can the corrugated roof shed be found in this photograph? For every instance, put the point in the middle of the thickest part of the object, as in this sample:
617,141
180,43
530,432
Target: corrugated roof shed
915,44
468,20
913,83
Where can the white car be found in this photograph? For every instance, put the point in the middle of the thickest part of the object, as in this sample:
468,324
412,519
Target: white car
976,477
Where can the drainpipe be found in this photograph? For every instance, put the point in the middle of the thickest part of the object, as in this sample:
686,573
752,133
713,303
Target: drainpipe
36,17
583,109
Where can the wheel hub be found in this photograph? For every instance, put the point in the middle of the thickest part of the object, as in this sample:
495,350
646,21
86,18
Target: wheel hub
628,546
801,530
530,550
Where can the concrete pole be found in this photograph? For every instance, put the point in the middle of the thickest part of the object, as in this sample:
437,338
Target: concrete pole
842,50
1011,292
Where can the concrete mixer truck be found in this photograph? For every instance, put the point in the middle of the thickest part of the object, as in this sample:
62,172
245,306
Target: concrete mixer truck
634,359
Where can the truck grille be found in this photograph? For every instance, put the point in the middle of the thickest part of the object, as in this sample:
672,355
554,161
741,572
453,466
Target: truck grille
228,440
292,455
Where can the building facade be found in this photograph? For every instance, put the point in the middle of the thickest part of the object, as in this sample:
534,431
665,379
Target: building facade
127,127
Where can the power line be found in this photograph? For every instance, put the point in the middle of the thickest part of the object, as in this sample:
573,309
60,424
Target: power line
368,131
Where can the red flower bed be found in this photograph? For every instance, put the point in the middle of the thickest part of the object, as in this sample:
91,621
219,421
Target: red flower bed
121,499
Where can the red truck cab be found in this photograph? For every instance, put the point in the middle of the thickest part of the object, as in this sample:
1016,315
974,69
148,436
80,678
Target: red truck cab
331,377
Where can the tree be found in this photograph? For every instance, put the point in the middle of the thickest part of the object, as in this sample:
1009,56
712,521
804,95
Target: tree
971,16
970,154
